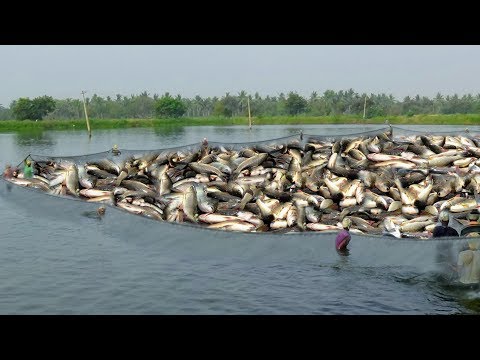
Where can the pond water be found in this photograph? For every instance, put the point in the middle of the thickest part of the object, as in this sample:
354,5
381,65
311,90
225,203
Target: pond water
55,261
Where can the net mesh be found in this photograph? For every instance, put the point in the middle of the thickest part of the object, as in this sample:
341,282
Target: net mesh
277,151
454,131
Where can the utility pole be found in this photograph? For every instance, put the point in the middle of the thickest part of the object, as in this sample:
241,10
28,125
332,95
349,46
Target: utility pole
86,115
365,106
249,115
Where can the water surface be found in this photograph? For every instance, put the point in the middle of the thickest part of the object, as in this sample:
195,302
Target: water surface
53,260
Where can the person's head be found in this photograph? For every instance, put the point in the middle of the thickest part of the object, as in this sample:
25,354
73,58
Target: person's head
115,147
444,217
101,210
346,223
473,243
28,162
472,217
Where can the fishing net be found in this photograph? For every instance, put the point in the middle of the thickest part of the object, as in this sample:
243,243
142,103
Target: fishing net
297,141
453,131
246,183
331,138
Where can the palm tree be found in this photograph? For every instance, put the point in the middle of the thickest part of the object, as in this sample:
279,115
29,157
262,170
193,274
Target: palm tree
242,100
197,105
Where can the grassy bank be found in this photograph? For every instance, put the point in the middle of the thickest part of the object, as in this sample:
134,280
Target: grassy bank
456,119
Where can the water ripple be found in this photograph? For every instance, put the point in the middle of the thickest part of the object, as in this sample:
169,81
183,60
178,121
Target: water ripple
57,262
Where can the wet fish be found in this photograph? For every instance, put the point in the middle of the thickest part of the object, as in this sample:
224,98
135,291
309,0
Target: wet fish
216,218
94,193
71,180
235,225
251,162
99,173
106,165
140,210
205,169
190,204
322,227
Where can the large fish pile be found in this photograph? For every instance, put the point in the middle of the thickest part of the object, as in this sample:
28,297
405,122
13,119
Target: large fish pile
383,184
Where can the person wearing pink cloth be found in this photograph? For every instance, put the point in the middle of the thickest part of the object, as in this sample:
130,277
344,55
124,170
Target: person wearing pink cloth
343,237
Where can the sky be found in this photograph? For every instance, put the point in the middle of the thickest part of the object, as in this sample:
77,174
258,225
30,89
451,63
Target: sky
63,71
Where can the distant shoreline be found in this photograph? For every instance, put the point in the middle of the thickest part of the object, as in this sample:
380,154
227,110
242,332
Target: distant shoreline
79,124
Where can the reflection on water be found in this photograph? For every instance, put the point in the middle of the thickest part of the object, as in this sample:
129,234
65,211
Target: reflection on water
36,137
445,258
245,134
168,131
343,252
451,290
471,301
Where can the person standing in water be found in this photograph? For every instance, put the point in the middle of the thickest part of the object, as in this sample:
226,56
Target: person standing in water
98,214
28,170
468,263
443,229
343,237
115,150
472,218
445,256
9,172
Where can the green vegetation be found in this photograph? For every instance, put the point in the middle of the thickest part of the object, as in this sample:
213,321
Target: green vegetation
331,103
36,109
295,104
96,124
169,107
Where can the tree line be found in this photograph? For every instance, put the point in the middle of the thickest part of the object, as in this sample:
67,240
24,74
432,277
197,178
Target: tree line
343,102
